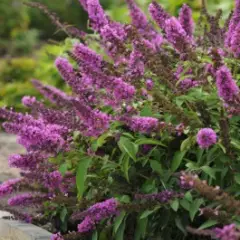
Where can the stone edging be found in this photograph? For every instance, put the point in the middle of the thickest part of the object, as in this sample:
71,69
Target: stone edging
16,230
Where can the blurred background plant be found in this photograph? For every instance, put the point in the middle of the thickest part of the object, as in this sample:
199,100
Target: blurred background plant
29,41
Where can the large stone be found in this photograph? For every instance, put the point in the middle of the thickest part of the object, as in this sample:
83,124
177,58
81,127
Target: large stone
8,146
16,230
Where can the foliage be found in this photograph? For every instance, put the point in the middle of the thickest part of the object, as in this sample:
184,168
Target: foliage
146,146
16,73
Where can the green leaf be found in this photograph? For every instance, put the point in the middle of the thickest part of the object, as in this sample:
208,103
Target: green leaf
209,171
82,174
156,166
146,213
177,160
175,205
199,155
63,168
186,144
236,143
129,147
146,111
192,166
102,139
149,141
63,214
125,199
95,236
140,228
222,147
118,221
209,223
120,233
185,204
125,166
194,207
237,178
180,226
188,196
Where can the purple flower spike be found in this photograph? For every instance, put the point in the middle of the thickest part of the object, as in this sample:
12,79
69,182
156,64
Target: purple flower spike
28,101
228,232
85,54
185,19
123,91
86,225
138,17
233,24
53,94
26,161
177,36
57,236
143,124
149,84
96,14
136,65
9,186
227,87
235,44
26,199
206,137
95,214
53,180
158,14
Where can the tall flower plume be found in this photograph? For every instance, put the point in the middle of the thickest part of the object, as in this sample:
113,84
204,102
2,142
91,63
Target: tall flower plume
185,19
177,36
227,87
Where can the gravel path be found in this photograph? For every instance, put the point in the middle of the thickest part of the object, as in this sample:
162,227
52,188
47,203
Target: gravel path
8,146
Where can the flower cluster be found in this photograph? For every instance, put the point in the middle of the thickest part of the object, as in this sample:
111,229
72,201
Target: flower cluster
158,85
206,137
228,232
96,213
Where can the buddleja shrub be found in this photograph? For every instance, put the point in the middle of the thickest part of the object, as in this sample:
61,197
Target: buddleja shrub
147,145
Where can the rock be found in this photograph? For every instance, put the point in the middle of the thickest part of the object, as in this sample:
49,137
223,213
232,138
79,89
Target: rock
8,146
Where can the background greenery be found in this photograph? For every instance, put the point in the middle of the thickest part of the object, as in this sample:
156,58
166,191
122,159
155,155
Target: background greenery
29,41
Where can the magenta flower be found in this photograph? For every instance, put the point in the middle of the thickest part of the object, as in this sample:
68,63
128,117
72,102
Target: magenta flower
53,180
227,87
228,232
97,16
177,36
233,24
234,44
26,199
149,84
95,214
28,101
143,124
86,225
57,236
158,14
85,54
26,161
53,94
136,65
9,186
138,17
185,19
206,137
